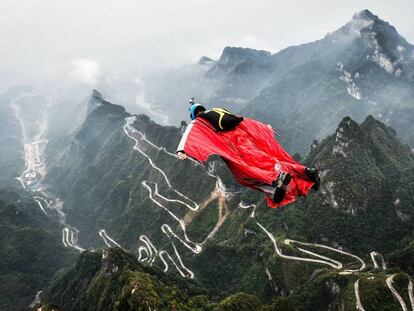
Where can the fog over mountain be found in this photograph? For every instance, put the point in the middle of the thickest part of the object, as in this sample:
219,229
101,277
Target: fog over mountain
364,67
44,39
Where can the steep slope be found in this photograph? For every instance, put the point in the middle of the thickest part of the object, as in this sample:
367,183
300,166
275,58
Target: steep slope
239,74
30,223
364,170
31,249
235,78
365,67
11,157
114,280
99,175
121,183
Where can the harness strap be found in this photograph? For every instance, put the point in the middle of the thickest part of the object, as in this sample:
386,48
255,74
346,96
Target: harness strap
221,112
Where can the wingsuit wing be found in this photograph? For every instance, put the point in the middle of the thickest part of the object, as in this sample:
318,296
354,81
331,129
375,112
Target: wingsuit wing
200,140
251,152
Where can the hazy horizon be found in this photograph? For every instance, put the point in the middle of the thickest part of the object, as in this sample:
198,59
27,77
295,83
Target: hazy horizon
87,40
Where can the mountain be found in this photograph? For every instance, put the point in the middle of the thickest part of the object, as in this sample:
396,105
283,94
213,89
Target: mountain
204,60
115,280
30,224
31,249
11,161
121,186
239,73
364,173
167,92
107,184
365,67
232,80
100,166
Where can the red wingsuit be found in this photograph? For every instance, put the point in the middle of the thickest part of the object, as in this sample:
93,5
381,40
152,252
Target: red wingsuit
252,154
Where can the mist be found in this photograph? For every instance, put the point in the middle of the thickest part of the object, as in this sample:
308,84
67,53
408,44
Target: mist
102,44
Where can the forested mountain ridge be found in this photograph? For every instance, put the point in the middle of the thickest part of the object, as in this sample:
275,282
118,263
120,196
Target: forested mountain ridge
363,208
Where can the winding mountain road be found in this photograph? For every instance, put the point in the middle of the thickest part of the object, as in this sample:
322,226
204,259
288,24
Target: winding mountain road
70,238
390,284
108,240
320,258
410,293
31,177
148,252
335,263
357,297
155,196
374,255
37,199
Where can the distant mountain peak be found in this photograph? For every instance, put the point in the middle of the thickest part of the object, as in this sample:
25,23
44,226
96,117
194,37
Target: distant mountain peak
97,100
347,122
366,22
379,41
233,55
348,128
362,21
366,15
97,95
204,60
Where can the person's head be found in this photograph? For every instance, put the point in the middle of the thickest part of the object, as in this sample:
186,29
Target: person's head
195,110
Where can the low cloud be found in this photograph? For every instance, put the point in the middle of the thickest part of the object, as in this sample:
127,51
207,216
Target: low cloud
85,70
150,110
248,39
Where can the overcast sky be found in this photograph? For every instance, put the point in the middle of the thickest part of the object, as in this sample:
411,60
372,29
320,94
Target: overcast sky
42,35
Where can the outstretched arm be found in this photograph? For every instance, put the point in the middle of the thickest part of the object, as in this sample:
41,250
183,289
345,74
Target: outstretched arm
180,149
183,140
